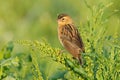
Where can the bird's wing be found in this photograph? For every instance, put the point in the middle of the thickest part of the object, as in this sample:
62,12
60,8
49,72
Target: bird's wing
73,49
78,40
74,36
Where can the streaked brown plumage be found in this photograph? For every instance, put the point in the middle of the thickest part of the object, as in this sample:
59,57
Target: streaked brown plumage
69,37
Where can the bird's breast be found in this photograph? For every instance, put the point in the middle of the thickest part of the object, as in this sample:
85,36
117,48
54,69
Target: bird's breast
60,34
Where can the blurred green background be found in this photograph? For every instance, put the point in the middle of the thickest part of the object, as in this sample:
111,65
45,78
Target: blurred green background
37,19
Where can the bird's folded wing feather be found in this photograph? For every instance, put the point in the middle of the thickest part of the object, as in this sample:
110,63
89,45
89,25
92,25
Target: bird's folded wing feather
72,35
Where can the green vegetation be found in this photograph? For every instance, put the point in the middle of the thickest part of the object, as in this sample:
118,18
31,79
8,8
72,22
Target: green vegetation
30,49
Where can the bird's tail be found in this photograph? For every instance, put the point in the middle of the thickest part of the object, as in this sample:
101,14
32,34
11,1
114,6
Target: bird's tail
80,60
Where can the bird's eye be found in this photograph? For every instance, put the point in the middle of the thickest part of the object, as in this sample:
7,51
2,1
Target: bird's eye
63,19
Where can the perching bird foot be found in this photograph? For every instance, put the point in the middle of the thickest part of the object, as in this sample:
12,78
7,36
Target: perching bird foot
61,51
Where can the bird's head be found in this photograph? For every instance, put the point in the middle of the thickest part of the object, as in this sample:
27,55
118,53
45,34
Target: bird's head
64,19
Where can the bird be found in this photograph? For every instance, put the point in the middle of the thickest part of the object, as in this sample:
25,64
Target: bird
69,37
